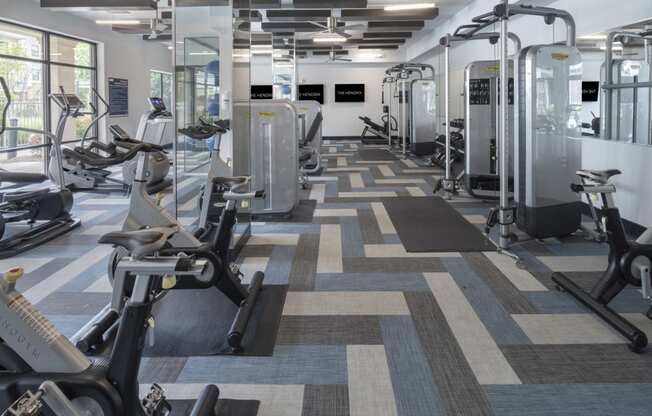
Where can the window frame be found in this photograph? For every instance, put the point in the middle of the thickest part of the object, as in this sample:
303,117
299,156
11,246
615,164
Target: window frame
47,63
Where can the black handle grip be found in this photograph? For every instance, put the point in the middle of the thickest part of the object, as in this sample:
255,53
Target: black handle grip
206,402
260,194
5,91
577,188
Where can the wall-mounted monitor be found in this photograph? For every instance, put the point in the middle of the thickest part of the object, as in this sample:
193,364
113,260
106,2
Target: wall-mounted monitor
262,92
590,91
314,92
349,93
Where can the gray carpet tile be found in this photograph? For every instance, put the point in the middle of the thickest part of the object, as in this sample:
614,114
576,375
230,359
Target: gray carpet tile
161,370
329,330
509,296
414,388
552,301
291,364
304,264
74,303
392,265
486,303
371,282
280,265
369,227
571,400
459,390
579,364
352,245
325,400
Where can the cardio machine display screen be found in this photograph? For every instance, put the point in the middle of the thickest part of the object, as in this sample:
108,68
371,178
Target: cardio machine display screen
157,103
349,93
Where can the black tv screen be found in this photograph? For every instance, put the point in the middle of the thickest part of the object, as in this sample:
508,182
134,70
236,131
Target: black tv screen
590,91
262,92
314,92
349,93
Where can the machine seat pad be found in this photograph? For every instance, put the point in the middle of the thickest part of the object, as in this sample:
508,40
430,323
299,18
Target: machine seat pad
601,176
22,177
370,123
230,181
140,243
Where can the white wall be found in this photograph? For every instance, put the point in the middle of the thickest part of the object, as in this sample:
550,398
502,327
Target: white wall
592,16
119,56
340,119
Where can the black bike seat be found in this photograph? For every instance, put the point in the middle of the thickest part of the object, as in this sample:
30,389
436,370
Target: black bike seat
139,243
601,176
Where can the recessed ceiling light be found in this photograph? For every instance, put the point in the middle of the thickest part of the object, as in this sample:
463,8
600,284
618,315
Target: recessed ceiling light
413,6
204,53
118,22
335,38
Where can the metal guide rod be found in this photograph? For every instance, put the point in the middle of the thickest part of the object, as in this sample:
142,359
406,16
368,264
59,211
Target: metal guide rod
447,82
609,85
505,224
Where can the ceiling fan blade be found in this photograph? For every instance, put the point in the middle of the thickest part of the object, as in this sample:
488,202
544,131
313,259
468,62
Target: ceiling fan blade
318,25
343,34
355,27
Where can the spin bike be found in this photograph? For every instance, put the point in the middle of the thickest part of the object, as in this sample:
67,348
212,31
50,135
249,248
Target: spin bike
629,261
39,363
144,213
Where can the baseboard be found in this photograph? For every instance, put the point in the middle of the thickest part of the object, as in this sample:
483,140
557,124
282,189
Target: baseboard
632,229
336,138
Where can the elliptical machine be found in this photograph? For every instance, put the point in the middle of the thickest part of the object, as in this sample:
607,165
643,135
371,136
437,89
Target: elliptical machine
34,354
629,261
86,168
46,210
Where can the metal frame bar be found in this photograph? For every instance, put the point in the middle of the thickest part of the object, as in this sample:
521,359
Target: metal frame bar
609,84
447,42
501,13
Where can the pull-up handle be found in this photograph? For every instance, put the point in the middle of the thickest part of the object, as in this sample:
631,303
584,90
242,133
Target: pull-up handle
7,94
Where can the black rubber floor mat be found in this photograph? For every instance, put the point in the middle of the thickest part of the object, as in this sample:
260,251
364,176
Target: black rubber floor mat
375,154
196,323
224,407
431,224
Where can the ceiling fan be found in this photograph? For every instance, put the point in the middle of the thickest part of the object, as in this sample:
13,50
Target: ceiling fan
331,32
333,57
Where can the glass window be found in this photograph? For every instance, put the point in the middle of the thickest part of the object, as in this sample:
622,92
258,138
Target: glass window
78,81
160,85
26,110
71,51
20,42
24,67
